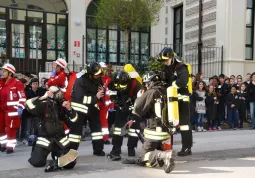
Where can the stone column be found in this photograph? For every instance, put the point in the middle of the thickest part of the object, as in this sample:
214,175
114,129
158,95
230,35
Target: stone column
231,33
76,29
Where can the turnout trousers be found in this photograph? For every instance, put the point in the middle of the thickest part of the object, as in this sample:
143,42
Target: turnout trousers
184,116
93,116
39,156
121,118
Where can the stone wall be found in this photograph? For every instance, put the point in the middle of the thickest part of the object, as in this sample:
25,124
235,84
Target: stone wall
191,20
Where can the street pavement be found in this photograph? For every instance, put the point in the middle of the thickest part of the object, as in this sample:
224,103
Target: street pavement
228,154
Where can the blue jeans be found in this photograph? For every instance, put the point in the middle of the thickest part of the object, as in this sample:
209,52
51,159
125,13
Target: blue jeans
233,117
252,110
200,119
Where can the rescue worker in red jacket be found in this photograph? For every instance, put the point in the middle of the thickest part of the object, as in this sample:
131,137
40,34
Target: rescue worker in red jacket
104,104
58,76
12,100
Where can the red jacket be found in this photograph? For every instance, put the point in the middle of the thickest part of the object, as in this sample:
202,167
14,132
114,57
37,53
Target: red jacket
106,102
12,96
59,80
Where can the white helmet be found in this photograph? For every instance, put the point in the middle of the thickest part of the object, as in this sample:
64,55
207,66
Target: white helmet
61,62
9,67
103,65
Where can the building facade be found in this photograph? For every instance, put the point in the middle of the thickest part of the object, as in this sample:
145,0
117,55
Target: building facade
34,33
227,33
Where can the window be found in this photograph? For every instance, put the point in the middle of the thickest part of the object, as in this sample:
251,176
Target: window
178,30
166,9
165,40
166,30
249,30
166,20
56,36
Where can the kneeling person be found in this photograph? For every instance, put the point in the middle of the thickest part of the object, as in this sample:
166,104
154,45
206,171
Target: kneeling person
53,110
150,104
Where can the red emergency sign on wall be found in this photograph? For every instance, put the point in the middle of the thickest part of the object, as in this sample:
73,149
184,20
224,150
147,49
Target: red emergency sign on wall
77,43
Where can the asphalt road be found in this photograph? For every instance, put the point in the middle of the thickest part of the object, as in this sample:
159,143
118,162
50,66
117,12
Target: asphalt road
228,154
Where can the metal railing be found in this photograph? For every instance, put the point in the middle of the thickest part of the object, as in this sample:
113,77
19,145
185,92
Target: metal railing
139,53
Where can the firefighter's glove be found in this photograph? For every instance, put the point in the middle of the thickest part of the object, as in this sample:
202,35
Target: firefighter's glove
53,73
20,111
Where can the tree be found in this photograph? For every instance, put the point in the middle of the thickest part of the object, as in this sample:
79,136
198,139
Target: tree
127,15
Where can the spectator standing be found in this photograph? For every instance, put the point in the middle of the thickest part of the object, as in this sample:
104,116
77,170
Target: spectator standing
28,77
31,120
251,98
212,103
231,84
42,90
238,84
242,105
227,81
199,78
200,106
233,77
248,79
222,94
193,99
232,104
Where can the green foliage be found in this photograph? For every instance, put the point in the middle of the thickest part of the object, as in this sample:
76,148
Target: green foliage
128,14
155,65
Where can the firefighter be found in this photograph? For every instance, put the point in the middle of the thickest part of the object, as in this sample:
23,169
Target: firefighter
87,91
149,105
12,99
53,110
104,105
127,90
176,74
58,75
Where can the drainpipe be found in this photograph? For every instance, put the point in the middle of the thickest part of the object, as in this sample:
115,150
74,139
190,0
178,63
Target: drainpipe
200,43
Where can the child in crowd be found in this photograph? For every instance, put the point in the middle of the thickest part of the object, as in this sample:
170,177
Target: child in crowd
193,99
243,104
227,81
31,120
232,105
231,84
200,106
212,103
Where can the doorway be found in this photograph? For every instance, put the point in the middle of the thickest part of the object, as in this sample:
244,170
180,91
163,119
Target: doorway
26,46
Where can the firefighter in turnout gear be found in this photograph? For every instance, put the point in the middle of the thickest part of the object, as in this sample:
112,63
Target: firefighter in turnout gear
53,110
177,74
150,105
12,99
127,90
87,91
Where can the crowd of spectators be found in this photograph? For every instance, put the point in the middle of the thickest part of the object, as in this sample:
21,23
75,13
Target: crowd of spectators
222,100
